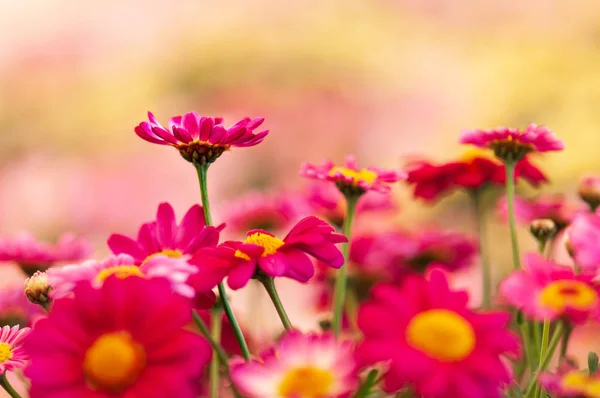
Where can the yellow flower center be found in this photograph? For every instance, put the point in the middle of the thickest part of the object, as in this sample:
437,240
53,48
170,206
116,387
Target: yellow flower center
268,242
306,382
559,295
166,252
441,334
476,153
582,383
121,272
365,175
113,362
5,352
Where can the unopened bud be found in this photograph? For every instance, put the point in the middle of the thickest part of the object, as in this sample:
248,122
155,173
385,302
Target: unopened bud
37,288
543,229
589,191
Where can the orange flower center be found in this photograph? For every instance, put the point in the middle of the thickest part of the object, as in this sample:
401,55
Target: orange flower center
365,175
441,334
559,295
582,383
306,382
268,242
5,352
166,252
113,362
477,153
121,272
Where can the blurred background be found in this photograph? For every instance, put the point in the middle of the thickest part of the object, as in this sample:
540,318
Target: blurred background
386,80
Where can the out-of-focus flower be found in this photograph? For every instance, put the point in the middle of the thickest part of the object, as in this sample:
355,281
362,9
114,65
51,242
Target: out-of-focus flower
543,229
12,356
165,237
571,382
300,366
33,255
433,342
125,339
584,240
64,279
589,191
511,144
238,261
15,308
545,290
37,288
552,207
200,139
350,179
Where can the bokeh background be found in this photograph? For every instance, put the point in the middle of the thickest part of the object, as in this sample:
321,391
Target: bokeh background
387,80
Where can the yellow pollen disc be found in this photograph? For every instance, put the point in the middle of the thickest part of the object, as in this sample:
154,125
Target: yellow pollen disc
167,252
559,295
306,382
474,153
113,362
365,175
121,271
5,352
268,242
582,383
441,334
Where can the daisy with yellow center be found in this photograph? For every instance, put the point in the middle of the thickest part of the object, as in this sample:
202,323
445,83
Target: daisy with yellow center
571,382
12,355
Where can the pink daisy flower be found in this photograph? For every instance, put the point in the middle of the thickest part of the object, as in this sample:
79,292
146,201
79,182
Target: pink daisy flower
164,236
15,308
201,139
551,207
64,279
12,356
571,382
126,339
33,255
350,179
545,290
300,365
238,261
433,342
584,239
589,191
511,144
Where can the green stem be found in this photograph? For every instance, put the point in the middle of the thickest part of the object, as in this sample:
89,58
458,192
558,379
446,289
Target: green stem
526,335
7,387
546,358
202,170
543,348
483,254
510,199
215,325
340,280
365,388
269,284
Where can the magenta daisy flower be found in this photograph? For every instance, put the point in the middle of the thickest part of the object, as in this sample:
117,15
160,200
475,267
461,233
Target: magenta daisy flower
545,290
15,308
433,342
126,339
165,236
12,356
510,144
239,261
350,179
584,240
308,366
201,139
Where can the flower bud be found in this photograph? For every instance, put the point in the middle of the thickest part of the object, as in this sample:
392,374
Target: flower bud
589,191
543,229
37,288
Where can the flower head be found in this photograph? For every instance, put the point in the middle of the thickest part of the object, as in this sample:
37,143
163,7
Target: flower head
124,339
37,288
307,366
545,290
589,191
350,179
12,356
584,238
433,342
571,382
200,139
265,252
164,236
15,308
510,144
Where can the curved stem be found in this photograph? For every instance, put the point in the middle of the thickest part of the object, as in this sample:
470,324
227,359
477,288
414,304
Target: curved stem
483,254
7,387
340,280
215,325
510,199
269,284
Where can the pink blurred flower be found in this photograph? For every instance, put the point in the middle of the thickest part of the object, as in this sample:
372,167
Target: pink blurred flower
300,366
584,239
201,139
552,207
238,261
165,236
545,290
571,382
12,356
125,339
350,179
15,308
433,342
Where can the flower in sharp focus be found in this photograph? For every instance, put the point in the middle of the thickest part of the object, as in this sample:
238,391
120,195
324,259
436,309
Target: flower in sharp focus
433,342
200,139
307,366
33,255
511,144
238,261
584,239
164,236
551,207
15,308
545,290
589,191
12,356
571,382
126,339
350,179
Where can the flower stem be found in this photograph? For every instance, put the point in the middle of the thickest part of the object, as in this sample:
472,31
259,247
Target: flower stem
202,170
269,284
7,387
545,359
215,325
510,199
483,254
340,280
543,348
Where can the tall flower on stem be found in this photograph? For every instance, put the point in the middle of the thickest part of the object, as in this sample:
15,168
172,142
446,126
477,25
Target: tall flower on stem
353,182
12,355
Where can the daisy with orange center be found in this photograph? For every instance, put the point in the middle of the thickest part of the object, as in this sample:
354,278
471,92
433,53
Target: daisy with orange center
569,381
